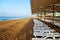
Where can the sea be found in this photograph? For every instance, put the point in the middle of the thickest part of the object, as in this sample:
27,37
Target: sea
10,18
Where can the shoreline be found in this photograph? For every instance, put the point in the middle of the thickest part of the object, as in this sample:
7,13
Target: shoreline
12,19
13,28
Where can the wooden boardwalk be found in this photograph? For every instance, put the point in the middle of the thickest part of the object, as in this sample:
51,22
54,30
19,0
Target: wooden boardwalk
55,27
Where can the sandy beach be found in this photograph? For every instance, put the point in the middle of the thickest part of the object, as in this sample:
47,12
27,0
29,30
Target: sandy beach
18,29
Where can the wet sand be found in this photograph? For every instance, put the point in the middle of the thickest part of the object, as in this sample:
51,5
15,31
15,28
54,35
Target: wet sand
19,29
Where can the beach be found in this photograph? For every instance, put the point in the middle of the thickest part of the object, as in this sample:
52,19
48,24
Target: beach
18,29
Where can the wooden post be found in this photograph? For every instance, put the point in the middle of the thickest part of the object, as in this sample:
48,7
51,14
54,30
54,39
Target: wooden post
53,13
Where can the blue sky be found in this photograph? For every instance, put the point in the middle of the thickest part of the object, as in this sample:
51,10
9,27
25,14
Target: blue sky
16,8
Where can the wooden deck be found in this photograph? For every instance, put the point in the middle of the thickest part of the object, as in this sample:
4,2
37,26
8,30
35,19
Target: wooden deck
56,28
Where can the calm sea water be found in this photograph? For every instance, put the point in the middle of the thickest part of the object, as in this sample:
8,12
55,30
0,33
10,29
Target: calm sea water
10,18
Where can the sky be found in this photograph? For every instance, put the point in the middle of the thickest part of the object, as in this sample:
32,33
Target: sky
15,8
